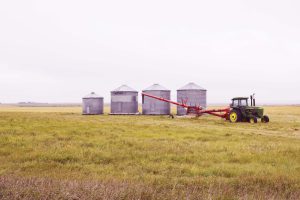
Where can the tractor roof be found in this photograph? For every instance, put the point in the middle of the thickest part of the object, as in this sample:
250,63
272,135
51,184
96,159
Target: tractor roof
239,98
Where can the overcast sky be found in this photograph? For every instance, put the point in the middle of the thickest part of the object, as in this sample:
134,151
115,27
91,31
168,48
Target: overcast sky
60,50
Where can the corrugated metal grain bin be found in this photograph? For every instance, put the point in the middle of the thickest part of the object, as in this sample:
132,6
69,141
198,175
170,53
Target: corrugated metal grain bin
124,100
153,106
92,104
193,94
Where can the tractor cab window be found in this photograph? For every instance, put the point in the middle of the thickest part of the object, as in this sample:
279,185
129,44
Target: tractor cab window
239,102
235,103
243,102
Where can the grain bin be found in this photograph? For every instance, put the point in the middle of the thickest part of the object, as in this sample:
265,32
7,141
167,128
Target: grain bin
193,95
155,107
92,104
124,100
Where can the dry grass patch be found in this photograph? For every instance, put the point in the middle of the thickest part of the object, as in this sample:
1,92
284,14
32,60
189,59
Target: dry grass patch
55,154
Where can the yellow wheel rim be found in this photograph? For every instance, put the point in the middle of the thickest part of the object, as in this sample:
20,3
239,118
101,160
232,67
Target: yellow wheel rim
233,117
252,121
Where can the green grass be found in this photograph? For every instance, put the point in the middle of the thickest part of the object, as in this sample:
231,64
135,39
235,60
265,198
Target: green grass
167,156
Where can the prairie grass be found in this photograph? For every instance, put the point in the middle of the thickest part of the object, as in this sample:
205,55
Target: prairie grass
53,152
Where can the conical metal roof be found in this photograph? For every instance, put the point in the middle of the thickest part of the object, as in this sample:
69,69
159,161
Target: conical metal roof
156,87
124,88
191,86
92,95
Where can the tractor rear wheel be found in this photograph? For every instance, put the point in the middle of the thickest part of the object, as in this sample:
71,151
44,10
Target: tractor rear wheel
234,116
253,120
265,119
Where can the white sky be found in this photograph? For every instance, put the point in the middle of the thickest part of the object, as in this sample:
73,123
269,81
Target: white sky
60,50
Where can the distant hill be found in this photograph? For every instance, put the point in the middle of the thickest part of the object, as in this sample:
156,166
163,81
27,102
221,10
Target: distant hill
36,104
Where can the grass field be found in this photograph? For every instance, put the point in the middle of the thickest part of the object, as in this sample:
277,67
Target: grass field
56,153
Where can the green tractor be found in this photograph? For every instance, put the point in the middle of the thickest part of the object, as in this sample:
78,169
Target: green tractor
242,112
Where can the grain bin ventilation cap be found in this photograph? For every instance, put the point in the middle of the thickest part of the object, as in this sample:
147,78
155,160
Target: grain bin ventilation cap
92,95
191,86
124,88
156,87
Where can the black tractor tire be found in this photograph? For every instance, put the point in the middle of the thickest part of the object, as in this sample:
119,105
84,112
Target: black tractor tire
234,116
265,119
253,120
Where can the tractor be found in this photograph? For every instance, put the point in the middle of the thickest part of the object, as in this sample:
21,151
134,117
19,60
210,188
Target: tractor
240,111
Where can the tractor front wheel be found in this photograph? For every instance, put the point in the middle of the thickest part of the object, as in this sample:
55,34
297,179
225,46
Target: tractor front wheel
265,119
253,120
234,116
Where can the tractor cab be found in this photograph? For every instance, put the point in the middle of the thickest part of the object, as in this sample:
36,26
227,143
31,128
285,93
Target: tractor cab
239,101
241,111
